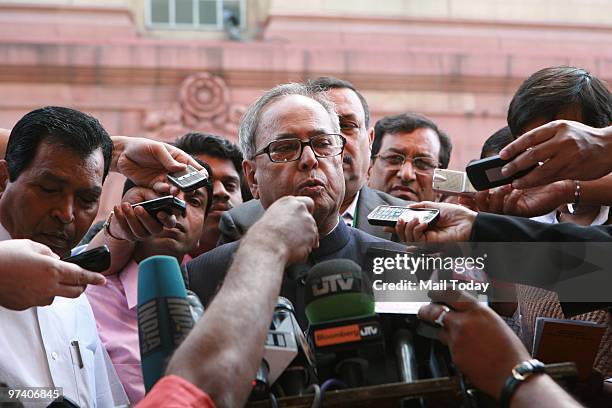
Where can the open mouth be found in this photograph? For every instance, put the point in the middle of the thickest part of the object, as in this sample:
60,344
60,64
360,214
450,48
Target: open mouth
311,186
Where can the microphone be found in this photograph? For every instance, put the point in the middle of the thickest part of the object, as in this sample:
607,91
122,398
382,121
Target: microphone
281,347
344,331
301,372
406,356
164,315
280,350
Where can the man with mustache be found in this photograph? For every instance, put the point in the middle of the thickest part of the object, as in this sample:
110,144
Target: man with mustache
289,138
50,185
359,200
114,305
406,150
51,181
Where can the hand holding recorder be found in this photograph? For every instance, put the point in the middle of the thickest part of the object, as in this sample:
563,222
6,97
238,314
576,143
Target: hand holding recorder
143,214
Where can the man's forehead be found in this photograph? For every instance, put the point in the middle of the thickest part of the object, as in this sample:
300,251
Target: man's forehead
347,102
63,161
294,114
422,141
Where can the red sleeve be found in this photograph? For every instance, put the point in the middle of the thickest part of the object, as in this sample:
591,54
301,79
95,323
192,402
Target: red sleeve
174,392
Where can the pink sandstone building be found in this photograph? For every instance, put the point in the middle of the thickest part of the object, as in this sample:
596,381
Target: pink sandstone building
160,68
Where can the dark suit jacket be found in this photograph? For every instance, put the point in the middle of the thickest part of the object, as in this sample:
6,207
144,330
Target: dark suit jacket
502,228
584,282
235,222
207,271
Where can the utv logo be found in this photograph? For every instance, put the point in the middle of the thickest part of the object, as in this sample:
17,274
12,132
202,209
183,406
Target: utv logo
367,331
332,284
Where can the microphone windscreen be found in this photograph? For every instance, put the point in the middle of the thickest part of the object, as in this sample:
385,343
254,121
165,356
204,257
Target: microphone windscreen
337,289
164,316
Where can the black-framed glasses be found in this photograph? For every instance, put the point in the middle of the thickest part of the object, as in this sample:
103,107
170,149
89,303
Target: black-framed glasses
288,150
421,164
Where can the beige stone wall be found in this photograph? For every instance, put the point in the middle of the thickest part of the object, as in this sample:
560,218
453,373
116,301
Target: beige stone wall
550,11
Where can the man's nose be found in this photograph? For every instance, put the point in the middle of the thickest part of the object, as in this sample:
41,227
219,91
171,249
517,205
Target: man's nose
309,159
406,171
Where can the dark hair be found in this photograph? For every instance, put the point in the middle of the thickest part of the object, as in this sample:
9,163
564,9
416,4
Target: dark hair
208,186
325,83
204,143
551,90
57,126
496,142
408,123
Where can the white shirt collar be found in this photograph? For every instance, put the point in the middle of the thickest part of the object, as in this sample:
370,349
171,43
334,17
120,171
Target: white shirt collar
4,234
349,214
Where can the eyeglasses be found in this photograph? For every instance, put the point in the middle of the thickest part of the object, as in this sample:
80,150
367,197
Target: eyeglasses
421,164
288,150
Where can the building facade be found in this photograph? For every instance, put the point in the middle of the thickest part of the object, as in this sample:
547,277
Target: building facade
160,68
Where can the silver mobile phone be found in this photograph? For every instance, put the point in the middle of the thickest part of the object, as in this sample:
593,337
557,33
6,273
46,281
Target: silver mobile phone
452,182
387,215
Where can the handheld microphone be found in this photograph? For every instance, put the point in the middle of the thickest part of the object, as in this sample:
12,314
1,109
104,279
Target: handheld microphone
344,331
281,347
301,371
280,350
164,316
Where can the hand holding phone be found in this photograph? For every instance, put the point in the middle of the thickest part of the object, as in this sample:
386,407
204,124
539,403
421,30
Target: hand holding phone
96,260
168,204
486,173
189,179
387,215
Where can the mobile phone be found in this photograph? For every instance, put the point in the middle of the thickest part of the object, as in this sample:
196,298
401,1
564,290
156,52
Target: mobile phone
96,260
168,204
486,173
387,215
452,182
189,179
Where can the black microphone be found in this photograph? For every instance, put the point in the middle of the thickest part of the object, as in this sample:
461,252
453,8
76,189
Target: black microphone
344,331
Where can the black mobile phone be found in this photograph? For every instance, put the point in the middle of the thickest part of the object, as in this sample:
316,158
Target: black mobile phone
96,260
189,179
168,204
486,173
387,215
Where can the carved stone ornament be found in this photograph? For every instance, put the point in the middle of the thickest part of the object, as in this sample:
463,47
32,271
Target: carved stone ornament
203,105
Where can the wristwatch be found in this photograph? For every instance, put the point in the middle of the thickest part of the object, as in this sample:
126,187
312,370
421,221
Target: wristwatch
520,373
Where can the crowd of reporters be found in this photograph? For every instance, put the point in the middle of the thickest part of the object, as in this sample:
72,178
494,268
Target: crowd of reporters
314,167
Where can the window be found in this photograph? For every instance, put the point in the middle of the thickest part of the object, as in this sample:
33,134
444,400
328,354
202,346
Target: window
194,14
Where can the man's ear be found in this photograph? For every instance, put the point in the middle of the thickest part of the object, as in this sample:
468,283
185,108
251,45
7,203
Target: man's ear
4,175
371,136
248,169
